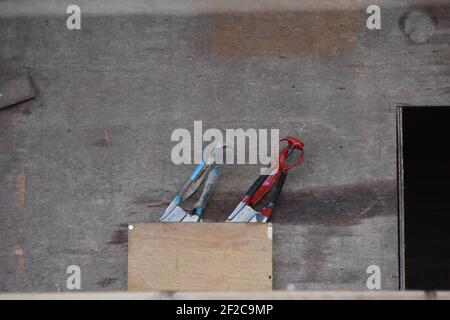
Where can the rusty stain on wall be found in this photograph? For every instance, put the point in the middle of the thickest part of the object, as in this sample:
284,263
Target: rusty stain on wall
20,274
18,252
106,137
20,187
105,141
284,33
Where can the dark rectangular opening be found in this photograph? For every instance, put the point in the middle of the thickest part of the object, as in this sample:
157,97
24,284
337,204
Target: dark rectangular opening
424,140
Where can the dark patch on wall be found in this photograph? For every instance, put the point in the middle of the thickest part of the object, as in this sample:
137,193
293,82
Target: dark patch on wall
340,205
106,282
154,198
119,237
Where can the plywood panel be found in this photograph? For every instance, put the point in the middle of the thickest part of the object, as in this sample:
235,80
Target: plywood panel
92,151
200,256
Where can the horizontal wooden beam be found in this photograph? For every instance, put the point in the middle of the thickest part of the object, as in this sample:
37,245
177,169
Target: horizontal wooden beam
274,295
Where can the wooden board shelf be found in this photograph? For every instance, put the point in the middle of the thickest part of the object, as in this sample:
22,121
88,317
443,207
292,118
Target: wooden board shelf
200,257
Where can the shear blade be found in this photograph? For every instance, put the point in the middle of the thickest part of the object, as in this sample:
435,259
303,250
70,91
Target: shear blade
259,218
245,215
236,210
191,218
196,184
176,215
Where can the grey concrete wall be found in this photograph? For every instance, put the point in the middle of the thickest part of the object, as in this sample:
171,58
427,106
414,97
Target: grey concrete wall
92,152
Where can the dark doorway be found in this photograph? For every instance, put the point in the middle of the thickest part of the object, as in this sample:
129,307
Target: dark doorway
425,207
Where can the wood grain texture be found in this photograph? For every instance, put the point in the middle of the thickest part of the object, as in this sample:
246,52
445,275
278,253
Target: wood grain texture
142,76
272,295
200,257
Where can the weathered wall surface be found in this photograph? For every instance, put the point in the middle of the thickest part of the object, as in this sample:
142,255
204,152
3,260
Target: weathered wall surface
92,152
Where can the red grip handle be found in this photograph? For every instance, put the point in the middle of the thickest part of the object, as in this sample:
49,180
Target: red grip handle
271,180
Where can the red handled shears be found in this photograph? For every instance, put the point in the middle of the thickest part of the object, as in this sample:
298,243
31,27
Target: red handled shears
274,181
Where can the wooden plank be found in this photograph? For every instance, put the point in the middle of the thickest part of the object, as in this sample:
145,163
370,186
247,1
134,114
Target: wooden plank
200,257
337,214
271,295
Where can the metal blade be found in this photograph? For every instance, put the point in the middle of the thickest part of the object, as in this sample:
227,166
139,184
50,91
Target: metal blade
259,218
176,215
196,184
175,201
191,218
236,210
245,215
209,164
